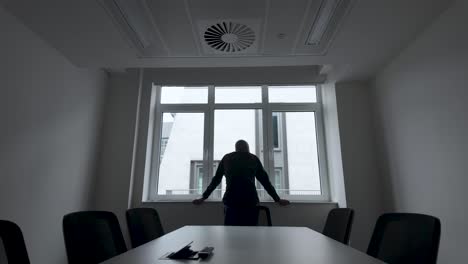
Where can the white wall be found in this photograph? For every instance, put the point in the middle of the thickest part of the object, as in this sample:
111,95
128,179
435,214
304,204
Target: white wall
49,116
361,173
115,158
333,143
422,103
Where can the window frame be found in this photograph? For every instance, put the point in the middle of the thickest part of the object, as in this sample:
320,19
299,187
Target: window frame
208,110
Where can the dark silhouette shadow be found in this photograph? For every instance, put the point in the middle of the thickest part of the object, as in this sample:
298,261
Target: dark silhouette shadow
241,168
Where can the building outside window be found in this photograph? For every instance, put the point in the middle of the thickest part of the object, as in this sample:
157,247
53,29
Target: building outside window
164,140
198,179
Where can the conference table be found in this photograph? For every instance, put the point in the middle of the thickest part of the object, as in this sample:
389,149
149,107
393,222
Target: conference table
256,244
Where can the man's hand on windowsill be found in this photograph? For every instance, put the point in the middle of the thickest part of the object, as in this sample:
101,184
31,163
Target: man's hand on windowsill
198,201
283,202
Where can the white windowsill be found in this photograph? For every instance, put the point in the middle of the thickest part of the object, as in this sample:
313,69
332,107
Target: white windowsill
219,201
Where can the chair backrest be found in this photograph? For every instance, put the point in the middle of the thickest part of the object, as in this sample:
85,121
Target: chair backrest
339,224
13,243
264,216
405,238
92,236
144,225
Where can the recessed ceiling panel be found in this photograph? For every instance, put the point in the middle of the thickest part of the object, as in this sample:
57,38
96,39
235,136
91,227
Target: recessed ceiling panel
284,21
81,30
173,21
226,9
135,23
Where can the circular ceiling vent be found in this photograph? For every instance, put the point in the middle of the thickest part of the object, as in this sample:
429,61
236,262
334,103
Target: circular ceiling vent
229,37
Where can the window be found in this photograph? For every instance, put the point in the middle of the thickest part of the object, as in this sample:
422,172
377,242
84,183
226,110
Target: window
231,95
234,124
199,180
279,179
184,95
197,126
178,131
298,157
292,94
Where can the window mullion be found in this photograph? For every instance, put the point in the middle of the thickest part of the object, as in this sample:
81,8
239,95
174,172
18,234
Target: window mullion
154,170
321,149
267,133
209,138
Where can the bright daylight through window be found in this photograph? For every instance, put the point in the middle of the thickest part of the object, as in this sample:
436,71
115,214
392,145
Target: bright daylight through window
196,126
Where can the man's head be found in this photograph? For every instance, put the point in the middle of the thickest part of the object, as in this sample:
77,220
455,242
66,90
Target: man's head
242,146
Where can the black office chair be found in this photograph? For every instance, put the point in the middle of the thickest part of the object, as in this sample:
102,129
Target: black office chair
13,243
144,225
92,237
339,224
405,238
266,219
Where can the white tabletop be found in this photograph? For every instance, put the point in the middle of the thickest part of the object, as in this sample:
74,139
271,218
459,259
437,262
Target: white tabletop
260,245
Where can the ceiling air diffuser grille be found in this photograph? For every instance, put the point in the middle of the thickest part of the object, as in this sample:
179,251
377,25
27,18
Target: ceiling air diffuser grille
229,37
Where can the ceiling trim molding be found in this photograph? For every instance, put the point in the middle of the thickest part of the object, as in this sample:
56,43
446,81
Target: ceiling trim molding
196,38
155,27
265,25
213,62
230,75
301,27
342,11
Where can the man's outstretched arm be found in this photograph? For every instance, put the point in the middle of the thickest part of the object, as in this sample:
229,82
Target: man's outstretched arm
214,183
262,177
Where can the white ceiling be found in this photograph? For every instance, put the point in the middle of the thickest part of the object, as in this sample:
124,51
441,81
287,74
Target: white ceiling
371,33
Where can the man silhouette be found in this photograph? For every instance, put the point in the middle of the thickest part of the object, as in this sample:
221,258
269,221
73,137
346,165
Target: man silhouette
240,199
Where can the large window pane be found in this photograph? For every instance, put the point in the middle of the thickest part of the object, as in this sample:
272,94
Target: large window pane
232,125
184,95
240,94
181,153
296,159
292,94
